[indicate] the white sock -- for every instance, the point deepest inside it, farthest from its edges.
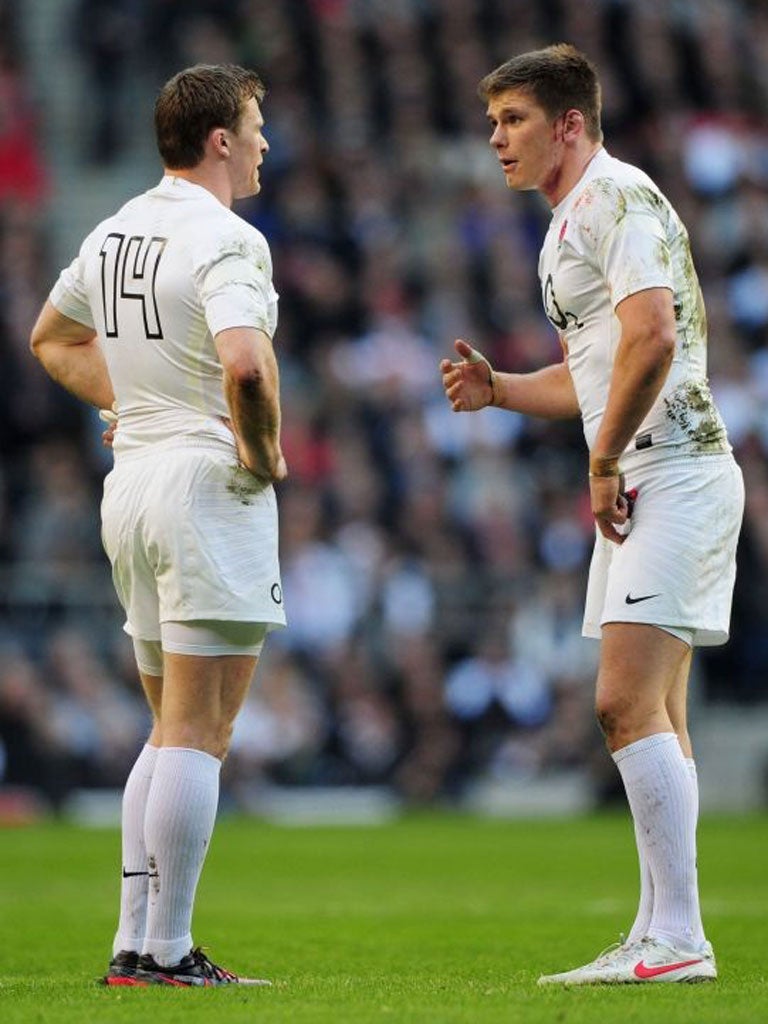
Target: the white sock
(661, 798)
(693, 776)
(181, 811)
(690, 764)
(133, 890)
(642, 920)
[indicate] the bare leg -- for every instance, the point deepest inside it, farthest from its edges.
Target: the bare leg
(200, 700)
(134, 885)
(641, 667)
(677, 705)
(676, 709)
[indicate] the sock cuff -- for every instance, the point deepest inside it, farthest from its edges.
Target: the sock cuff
(168, 952)
(646, 743)
(181, 758)
(147, 759)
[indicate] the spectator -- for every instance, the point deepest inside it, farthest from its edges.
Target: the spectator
(406, 529)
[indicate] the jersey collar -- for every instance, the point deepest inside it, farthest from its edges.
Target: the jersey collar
(172, 186)
(590, 171)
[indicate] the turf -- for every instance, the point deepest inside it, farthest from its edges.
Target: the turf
(435, 919)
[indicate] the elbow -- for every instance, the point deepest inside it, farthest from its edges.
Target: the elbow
(241, 368)
(248, 378)
(666, 341)
(36, 341)
(659, 349)
(248, 373)
(42, 340)
(654, 352)
(661, 352)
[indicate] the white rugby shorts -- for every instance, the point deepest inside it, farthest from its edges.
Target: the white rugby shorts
(191, 536)
(677, 567)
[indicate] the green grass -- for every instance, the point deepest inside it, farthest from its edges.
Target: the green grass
(434, 919)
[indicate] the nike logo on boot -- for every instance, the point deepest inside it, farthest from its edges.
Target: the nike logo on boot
(641, 971)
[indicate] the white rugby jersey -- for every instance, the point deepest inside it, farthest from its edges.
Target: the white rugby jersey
(615, 234)
(157, 281)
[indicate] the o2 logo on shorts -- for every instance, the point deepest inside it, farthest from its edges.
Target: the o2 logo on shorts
(277, 593)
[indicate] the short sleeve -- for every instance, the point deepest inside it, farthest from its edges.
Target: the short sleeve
(68, 295)
(235, 287)
(624, 229)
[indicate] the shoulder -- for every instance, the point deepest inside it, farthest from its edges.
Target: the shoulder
(616, 189)
(118, 222)
(94, 240)
(614, 198)
(127, 214)
(225, 235)
(599, 207)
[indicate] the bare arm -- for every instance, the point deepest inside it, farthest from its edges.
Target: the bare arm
(642, 362)
(471, 385)
(72, 356)
(252, 390)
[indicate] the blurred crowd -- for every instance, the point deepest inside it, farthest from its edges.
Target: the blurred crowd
(433, 564)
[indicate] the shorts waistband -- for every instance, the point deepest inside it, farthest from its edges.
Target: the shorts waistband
(633, 465)
(184, 442)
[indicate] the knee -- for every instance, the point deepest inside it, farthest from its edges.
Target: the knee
(224, 739)
(614, 717)
(216, 739)
(211, 736)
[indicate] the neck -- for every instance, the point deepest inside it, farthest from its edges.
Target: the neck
(213, 179)
(569, 172)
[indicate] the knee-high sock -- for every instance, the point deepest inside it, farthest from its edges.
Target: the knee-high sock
(664, 807)
(133, 891)
(642, 921)
(181, 811)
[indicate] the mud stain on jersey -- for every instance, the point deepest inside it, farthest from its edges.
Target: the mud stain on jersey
(692, 408)
(242, 248)
(696, 328)
(610, 208)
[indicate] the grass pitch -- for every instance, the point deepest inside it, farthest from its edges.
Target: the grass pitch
(433, 919)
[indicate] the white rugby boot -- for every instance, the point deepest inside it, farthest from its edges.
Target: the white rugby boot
(647, 960)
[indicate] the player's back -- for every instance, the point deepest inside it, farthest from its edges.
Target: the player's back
(152, 275)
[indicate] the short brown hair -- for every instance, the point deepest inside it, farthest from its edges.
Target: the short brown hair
(194, 102)
(558, 77)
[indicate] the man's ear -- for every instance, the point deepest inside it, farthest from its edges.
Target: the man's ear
(220, 141)
(573, 124)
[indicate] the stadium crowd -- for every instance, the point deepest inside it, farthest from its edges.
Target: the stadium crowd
(433, 564)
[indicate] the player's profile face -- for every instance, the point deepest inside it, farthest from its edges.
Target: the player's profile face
(525, 139)
(247, 149)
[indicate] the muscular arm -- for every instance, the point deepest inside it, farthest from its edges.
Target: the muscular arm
(470, 385)
(71, 355)
(547, 393)
(252, 390)
(642, 362)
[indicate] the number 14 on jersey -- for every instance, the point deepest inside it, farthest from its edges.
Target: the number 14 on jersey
(128, 274)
